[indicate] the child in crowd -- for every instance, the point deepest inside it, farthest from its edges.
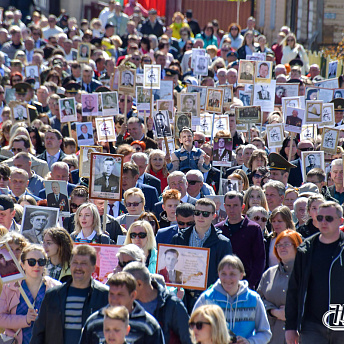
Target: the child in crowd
(171, 199)
(116, 325)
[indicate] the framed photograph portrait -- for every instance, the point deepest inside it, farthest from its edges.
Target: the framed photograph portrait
(291, 102)
(142, 98)
(166, 105)
(328, 83)
(106, 176)
(310, 160)
(332, 69)
(329, 141)
(263, 95)
(338, 93)
(170, 144)
(246, 72)
(248, 114)
(165, 91)
(227, 95)
(327, 119)
(10, 269)
(89, 104)
(275, 135)
(293, 119)
(189, 102)
(105, 129)
(196, 52)
(285, 90)
(36, 220)
(263, 71)
(162, 123)
(110, 103)
(183, 266)
(307, 132)
(84, 132)
(206, 124)
(32, 72)
(202, 90)
(219, 201)
(201, 66)
(151, 76)
(245, 97)
(182, 119)
(222, 151)
(229, 185)
(57, 195)
(84, 52)
(19, 112)
(85, 159)
(139, 79)
(127, 80)
(67, 110)
(221, 122)
(10, 94)
(214, 100)
(313, 111)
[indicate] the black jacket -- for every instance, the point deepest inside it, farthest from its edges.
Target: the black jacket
(150, 180)
(49, 325)
(298, 283)
(213, 179)
(143, 328)
(307, 229)
(295, 174)
(157, 29)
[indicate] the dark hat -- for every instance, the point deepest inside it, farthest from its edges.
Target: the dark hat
(232, 53)
(65, 17)
(102, 89)
(171, 72)
(152, 11)
(188, 14)
(338, 104)
(6, 202)
(72, 87)
(96, 41)
(31, 82)
(39, 213)
(296, 62)
(277, 162)
(22, 87)
(109, 25)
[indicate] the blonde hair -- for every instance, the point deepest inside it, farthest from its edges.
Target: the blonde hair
(263, 202)
(151, 243)
(96, 218)
(160, 153)
(135, 192)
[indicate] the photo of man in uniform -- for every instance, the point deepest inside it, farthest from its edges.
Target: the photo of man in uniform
(38, 220)
(311, 163)
(56, 199)
(247, 73)
(264, 94)
(108, 181)
(84, 51)
(127, 78)
(294, 120)
(67, 110)
(170, 274)
(20, 113)
(162, 126)
(221, 153)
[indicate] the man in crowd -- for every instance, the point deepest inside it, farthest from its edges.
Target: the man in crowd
(274, 192)
(337, 190)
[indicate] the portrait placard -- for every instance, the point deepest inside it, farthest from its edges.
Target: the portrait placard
(36, 219)
(246, 72)
(105, 129)
(84, 132)
(183, 266)
(293, 119)
(106, 176)
(328, 83)
(263, 95)
(263, 72)
(110, 103)
(227, 95)
(32, 72)
(327, 119)
(285, 90)
(19, 112)
(307, 132)
(201, 65)
(222, 151)
(196, 52)
(10, 94)
(219, 201)
(170, 144)
(162, 124)
(189, 102)
(310, 160)
(165, 91)
(166, 105)
(139, 79)
(248, 114)
(142, 98)
(338, 93)
(291, 102)
(229, 185)
(67, 110)
(127, 80)
(246, 97)
(313, 111)
(57, 195)
(84, 52)
(106, 262)
(89, 104)
(221, 122)
(319, 93)
(274, 133)
(214, 100)
(151, 76)
(85, 159)
(182, 119)
(329, 141)
(206, 124)
(332, 69)
(202, 90)
(10, 269)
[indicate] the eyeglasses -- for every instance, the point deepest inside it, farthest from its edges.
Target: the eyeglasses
(203, 212)
(136, 59)
(327, 218)
(140, 235)
(33, 261)
(234, 28)
(257, 175)
(124, 264)
(74, 206)
(257, 218)
(194, 182)
(180, 223)
(283, 245)
(132, 204)
(198, 325)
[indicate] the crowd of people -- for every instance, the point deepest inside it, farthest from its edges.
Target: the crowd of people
(272, 218)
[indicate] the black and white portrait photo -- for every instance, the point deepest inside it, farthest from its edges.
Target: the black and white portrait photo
(222, 152)
(332, 69)
(84, 52)
(246, 72)
(338, 93)
(197, 53)
(106, 175)
(89, 104)
(201, 66)
(310, 160)
(245, 97)
(19, 112)
(127, 78)
(162, 123)
(182, 119)
(188, 103)
(246, 114)
(84, 133)
(57, 195)
(263, 93)
(32, 72)
(67, 110)
(229, 185)
(36, 220)
(227, 95)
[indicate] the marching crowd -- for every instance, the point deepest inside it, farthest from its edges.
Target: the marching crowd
(276, 240)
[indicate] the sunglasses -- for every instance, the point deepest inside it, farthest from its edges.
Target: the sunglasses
(193, 182)
(198, 325)
(141, 235)
(284, 245)
(124, 264)
(257, 218)
(74, 206)
(327, 218)
(33, 261)
(257, 175)
(133, 204)
(135, 59)
(180, 223)
(203, 212)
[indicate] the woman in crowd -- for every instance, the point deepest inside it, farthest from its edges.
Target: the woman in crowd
(259, 174)
(259, 215)
(177, 24)
(286, 147)
(258, 159)
(145, 48)
(293, 50)
(207, 36)
(16, 241)
(208, 326)
(157, 166)
(254, 197)
(141, 234)
(280, 220)
(274, 283)
(5, 133)
(247, 47)
(290, 197)
(235, 178)
(277, 48)
(234, 35)
(185, 36)
(14, 312)
(262, 45)
(36, 140)
(239, 158)
(138, 145)
(88, 226)
(127, 254)
(58, 246)
(151, 218)
(311, 226)
(232, 294)
(134, 201)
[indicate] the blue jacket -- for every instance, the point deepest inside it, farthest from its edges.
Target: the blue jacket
(151, 196)
(165, 235)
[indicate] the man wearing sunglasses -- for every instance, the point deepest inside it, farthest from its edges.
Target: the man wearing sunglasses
(315, 292)
(204, 234)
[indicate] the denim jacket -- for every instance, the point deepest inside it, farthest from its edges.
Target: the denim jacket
(184, 160)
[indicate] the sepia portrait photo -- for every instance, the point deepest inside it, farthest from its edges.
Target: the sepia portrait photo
(127, 80)
(19, 112)
(189, 102)
(214, 100)
(166, 105)
(182, 119)
(285, 90)
(202, 90)
(84, 52)
(246, 72)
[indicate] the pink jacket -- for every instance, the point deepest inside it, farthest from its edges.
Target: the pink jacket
(9, 300)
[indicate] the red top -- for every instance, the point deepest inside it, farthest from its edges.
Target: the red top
(160, 176)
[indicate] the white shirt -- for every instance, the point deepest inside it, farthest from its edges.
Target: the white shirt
(56, 156)
(115, 209)
(90, 237)
(185, 198)
(48, 32)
